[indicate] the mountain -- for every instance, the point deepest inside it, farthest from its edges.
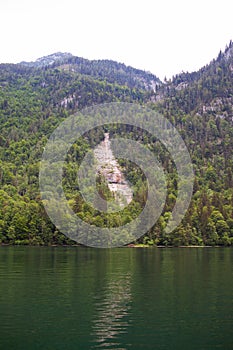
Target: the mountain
(36, 97)
(209, 90)
(108, 70)
(48, 60)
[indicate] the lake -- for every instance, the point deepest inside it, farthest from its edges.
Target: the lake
(125, 298)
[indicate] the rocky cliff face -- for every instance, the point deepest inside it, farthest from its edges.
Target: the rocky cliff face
(108, 166)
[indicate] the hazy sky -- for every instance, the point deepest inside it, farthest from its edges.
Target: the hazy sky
(161, 36)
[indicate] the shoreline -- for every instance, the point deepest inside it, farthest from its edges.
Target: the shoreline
(127, 246)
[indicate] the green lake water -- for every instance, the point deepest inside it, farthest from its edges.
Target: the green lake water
(126, 298)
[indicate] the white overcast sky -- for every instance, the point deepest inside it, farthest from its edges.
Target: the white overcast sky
(161, 36)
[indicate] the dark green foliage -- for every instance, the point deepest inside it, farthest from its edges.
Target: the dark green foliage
(34, 99)
(105, 70)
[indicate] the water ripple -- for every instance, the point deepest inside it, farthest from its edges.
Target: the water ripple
(112, 314)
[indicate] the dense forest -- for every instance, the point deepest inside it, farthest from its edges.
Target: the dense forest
(36, 97)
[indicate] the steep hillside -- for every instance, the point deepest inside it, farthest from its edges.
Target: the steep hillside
(209, 90)
(108, 70)
(33, 101)
(36, 97)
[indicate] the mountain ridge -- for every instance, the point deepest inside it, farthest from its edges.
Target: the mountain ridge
(47, 60)
(110, 70)
(209, 89)
(123, 74)
(35, 100)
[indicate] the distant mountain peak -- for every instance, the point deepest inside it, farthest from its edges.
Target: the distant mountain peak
(55, 56)
(49, 60)
(103, 69)
(228, 54)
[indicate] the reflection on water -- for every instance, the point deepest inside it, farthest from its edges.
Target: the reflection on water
(136, 299)
(112, 310)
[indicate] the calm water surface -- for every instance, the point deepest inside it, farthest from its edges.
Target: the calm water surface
(78, 298)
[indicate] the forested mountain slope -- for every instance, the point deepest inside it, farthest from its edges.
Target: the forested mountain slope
(208, 90)
(111, 71)
(36, 97)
